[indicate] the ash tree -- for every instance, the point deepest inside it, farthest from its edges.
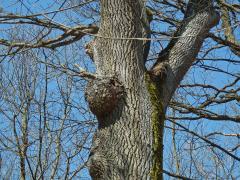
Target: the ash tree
(132, 92)
(129, 141)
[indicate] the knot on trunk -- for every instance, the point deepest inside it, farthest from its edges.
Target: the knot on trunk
(159, 72)
(97, 162)
(96, 167)
(103, 95)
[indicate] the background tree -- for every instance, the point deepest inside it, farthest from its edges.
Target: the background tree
(137, 96)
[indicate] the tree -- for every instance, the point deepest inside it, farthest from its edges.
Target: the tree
(129, 93)
(132, 134)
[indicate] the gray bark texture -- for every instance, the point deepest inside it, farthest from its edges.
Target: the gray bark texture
(122, 147)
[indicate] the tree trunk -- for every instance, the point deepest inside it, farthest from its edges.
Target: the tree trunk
(129, 101)
(122, 146)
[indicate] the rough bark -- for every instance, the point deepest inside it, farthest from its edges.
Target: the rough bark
(122, 146)
(182, 50)
(129, 141)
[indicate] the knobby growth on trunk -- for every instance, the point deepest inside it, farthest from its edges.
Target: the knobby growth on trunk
(46, 125)
(130, 101)
(137, 95)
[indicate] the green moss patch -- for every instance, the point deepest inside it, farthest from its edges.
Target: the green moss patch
(157, 122)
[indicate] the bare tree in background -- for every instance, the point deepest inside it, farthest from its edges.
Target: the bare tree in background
(156, 71)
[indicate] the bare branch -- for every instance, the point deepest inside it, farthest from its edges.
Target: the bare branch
(207, 141)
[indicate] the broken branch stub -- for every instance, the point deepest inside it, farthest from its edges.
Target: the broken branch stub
(159, 72)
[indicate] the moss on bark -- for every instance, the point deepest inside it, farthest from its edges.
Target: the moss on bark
(157, 122)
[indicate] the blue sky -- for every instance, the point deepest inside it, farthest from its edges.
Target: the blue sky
(196, 74)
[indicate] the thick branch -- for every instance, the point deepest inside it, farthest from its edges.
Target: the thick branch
(226, 24)
(200, 17)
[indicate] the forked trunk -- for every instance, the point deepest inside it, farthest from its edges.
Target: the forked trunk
(127, 99)
(122, 146)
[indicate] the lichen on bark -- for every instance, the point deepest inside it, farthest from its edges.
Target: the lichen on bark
(157, 122)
